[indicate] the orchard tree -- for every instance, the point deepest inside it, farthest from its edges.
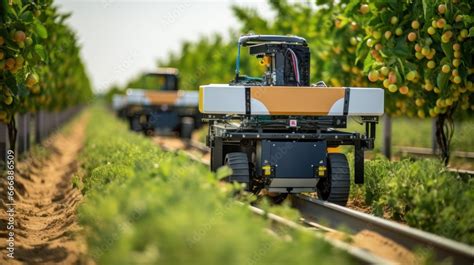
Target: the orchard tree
(40, 66)
(421, 52)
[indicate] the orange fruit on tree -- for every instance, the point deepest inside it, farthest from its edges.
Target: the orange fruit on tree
(394, 20)
(404, 90)
(20, 36)
(392, 88)
(398, 31)
(392, 78)
(445, 68)
(364, 9)
(442, 9)
(440, 23)
(431, 30)
(431, 64)
(10, 64)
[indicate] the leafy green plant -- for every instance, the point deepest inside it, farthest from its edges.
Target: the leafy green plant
(422, 194)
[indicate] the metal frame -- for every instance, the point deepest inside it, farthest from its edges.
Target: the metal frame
(228, 136)
(148, 111)
(256, 39)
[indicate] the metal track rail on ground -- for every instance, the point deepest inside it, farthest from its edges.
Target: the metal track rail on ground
(429, 152)
(361, 255)
(462, 171)
(199, 146)
(411, 238)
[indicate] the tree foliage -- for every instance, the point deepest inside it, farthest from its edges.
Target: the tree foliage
(421, 52)
(40, 66)
(406, 48)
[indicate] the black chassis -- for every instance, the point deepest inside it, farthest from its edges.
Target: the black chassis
(132, 111)
(224, 138)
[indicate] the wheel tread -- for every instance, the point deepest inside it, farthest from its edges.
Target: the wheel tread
(238, 162)
(340, 179)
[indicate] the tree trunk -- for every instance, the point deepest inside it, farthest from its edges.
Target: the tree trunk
(387, 136)
(444, 134)
(12, 132)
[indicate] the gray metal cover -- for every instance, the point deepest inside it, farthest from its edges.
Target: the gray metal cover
(294, 159)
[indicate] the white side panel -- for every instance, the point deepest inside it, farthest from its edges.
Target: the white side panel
(217, 98)
(337, 108)
(258, 108)
(188, 98)
(118, 102)
(225, 99)
(366, 101)
(137, 97)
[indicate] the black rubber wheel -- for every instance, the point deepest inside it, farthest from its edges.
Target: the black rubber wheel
(135, 124)
(239, 164)
(335, 186)
(149, 132)
(187, 127)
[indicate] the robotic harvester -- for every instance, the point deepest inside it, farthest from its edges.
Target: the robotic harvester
(158, 106)
(276, 132)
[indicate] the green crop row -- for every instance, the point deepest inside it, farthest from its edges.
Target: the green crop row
(422, 194)
(143, 205)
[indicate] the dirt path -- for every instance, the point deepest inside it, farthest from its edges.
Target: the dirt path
(46, 203)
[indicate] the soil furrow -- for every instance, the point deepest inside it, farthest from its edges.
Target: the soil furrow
(47, 203)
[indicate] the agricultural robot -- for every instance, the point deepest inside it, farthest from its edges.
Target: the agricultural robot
(158, 106)
(276, 132)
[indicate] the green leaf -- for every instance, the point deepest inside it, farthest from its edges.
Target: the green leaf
(352, 7)
(425, 7)
(399, 76)
(402, 67)
(23, 9)
(401, 49)
(11, 82)
(27, 17)
(442, 80)
(41, 30)
(12, 12)
(368, 62)
(445, 60)
(18, 2)
(64, 17)
(384, 55)
(22, 90)
(39, 49)
(447, 49)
